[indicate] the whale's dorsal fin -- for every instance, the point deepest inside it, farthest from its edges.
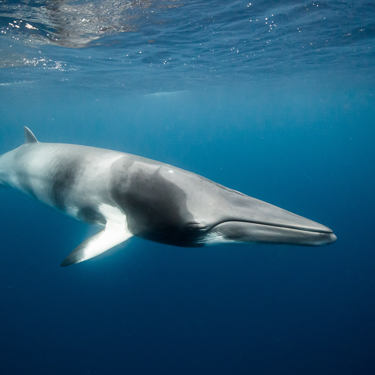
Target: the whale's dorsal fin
(30, 137)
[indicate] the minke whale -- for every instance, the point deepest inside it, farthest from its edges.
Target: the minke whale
(129, 195)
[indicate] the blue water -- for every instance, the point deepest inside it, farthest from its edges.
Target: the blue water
(275, 99)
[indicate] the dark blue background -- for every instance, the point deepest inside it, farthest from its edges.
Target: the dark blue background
(149, 308)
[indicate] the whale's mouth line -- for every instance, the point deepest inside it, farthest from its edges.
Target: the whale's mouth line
(283, 226)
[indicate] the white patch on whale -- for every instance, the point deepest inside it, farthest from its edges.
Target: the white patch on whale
(114, 233)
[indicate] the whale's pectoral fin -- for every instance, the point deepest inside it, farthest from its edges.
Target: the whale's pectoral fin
(100, 242)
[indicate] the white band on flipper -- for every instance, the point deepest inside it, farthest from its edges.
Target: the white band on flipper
(115, 232)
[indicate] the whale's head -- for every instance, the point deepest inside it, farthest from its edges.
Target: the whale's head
(169, 205)
(238, 218)
(261, 222)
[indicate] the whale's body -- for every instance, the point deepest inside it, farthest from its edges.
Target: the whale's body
(133, 196)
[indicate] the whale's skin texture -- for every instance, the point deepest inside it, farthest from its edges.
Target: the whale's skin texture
(129, 195)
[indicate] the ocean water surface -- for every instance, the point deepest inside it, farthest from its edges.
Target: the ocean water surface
(275, 99)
